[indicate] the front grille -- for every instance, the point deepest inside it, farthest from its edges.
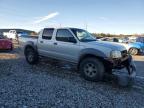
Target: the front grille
(124, 53)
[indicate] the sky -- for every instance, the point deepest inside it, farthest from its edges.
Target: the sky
(107, 16)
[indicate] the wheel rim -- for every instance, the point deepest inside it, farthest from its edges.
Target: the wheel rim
(30, 56)
(133, 51)
(90, 70)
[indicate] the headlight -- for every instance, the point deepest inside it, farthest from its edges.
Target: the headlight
(116, 54)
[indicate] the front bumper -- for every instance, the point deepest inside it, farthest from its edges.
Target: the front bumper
(125, 62)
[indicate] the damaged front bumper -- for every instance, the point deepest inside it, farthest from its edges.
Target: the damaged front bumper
(125, 62)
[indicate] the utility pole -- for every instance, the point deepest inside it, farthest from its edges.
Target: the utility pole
(86, 25)
(60, 25)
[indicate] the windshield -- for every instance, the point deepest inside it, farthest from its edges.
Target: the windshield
(83, 35)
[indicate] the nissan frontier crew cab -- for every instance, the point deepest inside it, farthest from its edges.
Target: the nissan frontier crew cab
(93, 58)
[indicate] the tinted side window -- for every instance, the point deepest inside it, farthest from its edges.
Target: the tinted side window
(47, 33)
(65, 36)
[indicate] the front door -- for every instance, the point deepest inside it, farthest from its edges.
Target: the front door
(66, 45)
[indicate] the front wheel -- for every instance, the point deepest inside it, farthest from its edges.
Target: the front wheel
(133, 51)
(31, 56)
(92, 69)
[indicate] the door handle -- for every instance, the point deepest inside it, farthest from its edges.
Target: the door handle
(41, 41)
(55, 43)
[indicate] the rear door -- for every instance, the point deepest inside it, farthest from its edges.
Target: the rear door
(45, 42)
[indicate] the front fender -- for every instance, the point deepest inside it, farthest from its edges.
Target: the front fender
(91, 51)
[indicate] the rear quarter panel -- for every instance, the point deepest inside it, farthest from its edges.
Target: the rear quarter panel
(24, 41)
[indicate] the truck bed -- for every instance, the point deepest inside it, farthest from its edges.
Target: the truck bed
(24, 39)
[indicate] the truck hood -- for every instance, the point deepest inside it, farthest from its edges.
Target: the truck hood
(111, 45)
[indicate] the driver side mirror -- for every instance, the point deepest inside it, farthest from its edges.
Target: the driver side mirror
(72, 39)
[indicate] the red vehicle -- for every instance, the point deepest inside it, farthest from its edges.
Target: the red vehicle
(5, 44)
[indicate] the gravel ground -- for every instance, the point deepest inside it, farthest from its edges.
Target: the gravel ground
(49, 85)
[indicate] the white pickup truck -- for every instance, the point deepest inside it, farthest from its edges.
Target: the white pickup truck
(11, 34)
(93, 58)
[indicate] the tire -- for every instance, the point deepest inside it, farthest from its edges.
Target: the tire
(92, 69)
(31, 56)
(109, 71)
(133, 51)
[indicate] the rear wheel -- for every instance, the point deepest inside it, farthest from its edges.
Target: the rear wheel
(31, 56)
(133, 51)
(92, 69)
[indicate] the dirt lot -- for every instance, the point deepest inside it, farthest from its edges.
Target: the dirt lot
(52, 84)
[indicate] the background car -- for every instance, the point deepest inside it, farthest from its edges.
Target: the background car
(22, 34)
(11, 34)
(5, 44)
(136, 47)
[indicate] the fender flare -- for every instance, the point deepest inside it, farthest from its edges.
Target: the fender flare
(91, 51)
(30, 44)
